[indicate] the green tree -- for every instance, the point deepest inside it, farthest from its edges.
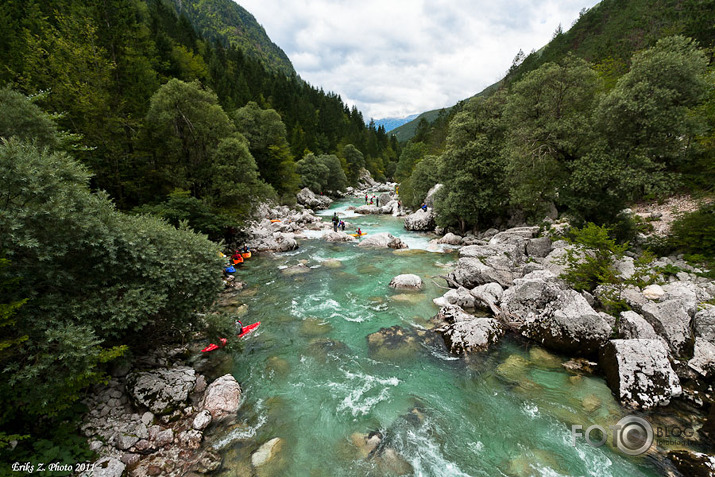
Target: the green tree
(412, 153)
(94, 279)
(336, 179)
(425, 175)
(355, 162)
(268, 144)
(185, 124)
(236, 184)
(548, 113)
(24, 120)
(645, 130)
(472, 169)
(313, 173)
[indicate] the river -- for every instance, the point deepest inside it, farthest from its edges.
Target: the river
(310, 378)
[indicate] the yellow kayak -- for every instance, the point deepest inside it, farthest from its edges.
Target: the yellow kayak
(355, 235)
(246, 255)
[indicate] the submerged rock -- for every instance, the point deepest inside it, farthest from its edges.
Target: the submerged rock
(266, 452)
(392, 343)
(296, 270)
(406, 281)
(639, 373)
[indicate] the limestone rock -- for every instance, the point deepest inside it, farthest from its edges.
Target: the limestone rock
(693, 464)
(407, 281)
(422, 220)
(653, 292)
(266, 452)
(222, 397)
(703, 360)
(704, 323)
(338, 237)
(382, 240)
(163, 390)
(460, 297)
(106, 467)
(489, 290)
(316, 202)
(634, 326)
(671, 321)
(476, 334)
(429, 200)
(538, 247)
(451, 239)
(569, 324)
(451, 314)
(202, 420)
(471, 272)
(639, 373)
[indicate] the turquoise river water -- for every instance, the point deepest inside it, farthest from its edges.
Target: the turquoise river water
(309, 377)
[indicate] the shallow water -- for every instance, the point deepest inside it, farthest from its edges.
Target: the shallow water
(310, 378)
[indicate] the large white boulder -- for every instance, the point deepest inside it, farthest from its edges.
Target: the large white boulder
(639, 373)
(475, 334)
(382, 240)
(307, 198)
(422, 220)
(407, 281)
(671, 321)
(222, 398)
(338, 237)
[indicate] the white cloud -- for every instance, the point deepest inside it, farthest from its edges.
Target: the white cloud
(398, 57)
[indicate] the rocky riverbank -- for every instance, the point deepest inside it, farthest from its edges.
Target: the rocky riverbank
(152, 416)
(660, 350)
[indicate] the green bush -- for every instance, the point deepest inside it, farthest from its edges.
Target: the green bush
(591, 261)
(95, 281)
(694, 233)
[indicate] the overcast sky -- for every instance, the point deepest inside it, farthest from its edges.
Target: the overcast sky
(393, 58)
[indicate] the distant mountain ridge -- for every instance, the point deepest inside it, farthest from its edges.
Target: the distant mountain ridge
(392, 123)
(227, 21)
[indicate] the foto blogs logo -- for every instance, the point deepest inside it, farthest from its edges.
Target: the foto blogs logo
(632, 435)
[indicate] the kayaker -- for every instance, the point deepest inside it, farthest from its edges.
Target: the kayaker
(246, 249)
(342, 226)
(423, 207)
(377, 201)
(236, 257)
(365, 199)
(359, 232)
(239, 325)
(336, 219)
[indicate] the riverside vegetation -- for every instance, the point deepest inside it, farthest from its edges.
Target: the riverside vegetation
(132, 145)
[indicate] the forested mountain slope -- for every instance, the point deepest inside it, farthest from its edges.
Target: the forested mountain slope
(227, 21)
(99, 65)
(608, 34)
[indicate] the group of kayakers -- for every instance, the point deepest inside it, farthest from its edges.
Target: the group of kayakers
(238, 257)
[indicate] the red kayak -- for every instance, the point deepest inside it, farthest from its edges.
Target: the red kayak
(246, 330)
